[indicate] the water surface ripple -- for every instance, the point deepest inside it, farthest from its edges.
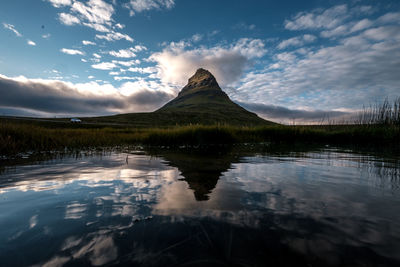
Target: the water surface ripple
(325, 207)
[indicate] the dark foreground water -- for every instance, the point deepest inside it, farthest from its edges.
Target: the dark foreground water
(232, 208)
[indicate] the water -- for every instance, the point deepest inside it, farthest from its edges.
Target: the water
(324, 207)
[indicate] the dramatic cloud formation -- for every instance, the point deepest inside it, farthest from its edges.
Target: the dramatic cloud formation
(327, 61)
(359, 67)
(175, 63)
(56, 97)
(12, 28)
(136, 6)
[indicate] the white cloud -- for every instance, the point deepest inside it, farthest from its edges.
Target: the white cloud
(85, 42)
(338, 31)
(91, 77)
(119, 26)
(176, 64)
(68, 19)
(121, 78)
(72, 51)
(297, 41)
(95, 11)
(391, 17)
(95, 14)
(318, 19)
(96, 55)
(46, 36)
(136, 6)
(104, 66)
(114, 36)
(30, 42)
(123, 53)
(143, 70)
(196, 37)
(358, 70)
(127, 53)
(83, 60)
(361, 25)
(127, 63)
(60, 3)
(12, 28)
(97, 27)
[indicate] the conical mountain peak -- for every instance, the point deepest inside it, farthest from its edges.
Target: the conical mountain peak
(202, 101)
(200, 80)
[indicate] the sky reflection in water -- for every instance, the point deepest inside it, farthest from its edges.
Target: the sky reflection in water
(324, 207)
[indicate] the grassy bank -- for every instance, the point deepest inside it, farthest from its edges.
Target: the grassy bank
(16, 137)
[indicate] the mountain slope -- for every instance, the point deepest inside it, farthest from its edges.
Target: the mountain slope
(204, 100)
(201, 101)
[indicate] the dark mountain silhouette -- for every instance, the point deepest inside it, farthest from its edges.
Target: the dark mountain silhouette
(201, 101)
(202, 169)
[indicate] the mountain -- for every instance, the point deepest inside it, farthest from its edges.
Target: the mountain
(201, 101)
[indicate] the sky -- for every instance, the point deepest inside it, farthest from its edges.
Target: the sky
(285, 60)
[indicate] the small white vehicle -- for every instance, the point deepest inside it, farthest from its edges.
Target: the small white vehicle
(75, 120)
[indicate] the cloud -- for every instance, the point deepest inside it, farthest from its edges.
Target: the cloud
(318, 19)
(72, 51)
(136, 6)
(124, 53)
(114, 36)
(12, 28)
(85, 42)
(119, 26)
(286, 115)
(297, 41)
(30, 42)
(121, 78)
(60, 3)
(147, 70)
(95, 14)
(104, 66)
(126, 63)
(127, 53)
(361, 25)
(49, 97)
(95, 11)
(96, 55)
(176, 64)
(68, 19)
(347, 73)
(46, 36)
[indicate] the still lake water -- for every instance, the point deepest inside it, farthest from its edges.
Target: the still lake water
(322, 207)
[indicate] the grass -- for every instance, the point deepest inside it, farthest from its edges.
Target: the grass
(378, 125)
(17, 137)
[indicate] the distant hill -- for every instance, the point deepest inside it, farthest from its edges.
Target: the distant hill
(201, 101)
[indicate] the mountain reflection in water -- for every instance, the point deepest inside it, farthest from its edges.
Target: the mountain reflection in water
(222, 207)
